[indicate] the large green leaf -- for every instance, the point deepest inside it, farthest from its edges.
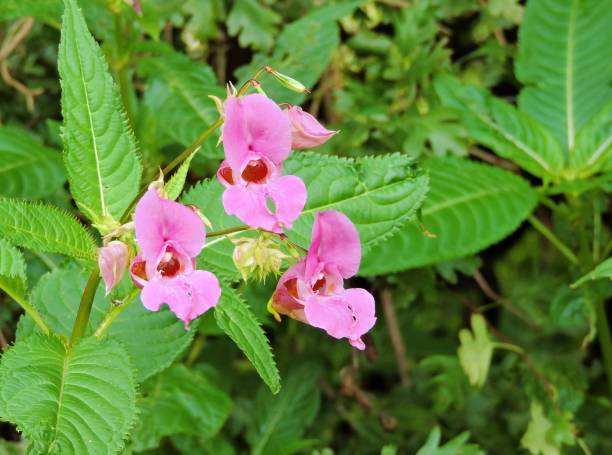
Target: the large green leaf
(379, 194)
(594, 145)
(178, 95)
(564, 62)
(292, 51)
(280, 421)
(45, 228)
(179, 401)
(469, 207)
(235, 318)
(28, 169)
(100, 151)
(73, 401)
(500, 126)
(13, 278)
(153, 339)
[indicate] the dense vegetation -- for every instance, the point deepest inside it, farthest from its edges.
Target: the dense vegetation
(474, 158)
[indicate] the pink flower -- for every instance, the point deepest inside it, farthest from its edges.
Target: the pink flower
(257, 139)
(113, 261)
(312, 290)
(307, 132)
(170, 236)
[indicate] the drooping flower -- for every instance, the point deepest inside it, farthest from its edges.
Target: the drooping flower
(113, 261)
(257, 257)
(306, 131)
(256, 140)
(170, 236)
(312, 290)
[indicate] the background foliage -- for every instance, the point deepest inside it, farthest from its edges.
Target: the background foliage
(474, 157)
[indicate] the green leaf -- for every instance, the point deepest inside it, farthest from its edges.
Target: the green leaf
(68, 400)
(13, 278)
(235, 318)
(476, 351)
(292, 51)
(47, 10)
(174, 186)
(546, 435)
(280, 421)
(603, 270)
(179, 401)
(377, 193)
(469, 207)
(254, 24)
(178, 95)
(563, 60)
(28, 169)
(457, 445)
(57, 296)
(500, 126)
(45, 228)
(100, 151)
(594, 145)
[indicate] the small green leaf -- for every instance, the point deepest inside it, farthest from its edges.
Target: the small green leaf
(594, 145)
(547, 435)
(603, 270)
(475, 351)
(174, 186)
(13, 278)
(254, 24)
(73, 401)
(235, 318)
(455, 446)
(179, 401)
(45, 228)
(278, 425)
(100, 151)
(28, 169)
(469, 207)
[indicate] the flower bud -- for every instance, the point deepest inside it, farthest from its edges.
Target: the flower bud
(287, 82)
(257, 257)
(113, 261)
(306, 131)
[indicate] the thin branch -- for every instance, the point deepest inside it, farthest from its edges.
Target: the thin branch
(397, 340)
(552, 238)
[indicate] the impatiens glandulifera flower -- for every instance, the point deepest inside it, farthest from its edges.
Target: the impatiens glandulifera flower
(113, 261)
(170, 236)
(312, 291)
(306, 131)
(256, 140)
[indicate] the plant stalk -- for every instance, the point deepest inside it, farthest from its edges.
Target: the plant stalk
(30, 311)
(552, 238)
(114, 312)
(605, 339)
(82, 317)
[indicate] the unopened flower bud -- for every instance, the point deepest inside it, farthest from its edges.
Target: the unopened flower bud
(258, 257)
(306, 131)
(287, 82)
(113, 261)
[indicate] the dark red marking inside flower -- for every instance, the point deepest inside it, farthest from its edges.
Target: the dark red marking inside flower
(291, 286)
(227, 175)
(255, 172)
(320, 284)
(169, 267)
(139, 269)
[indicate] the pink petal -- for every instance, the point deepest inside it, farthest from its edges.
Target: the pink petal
(335, 242)
(250, 203)
(254, 123)
(158, 221)
(307, 132)
(138, 271)
(283, 300)
(346, 315)
(113, 260)
(188, 296)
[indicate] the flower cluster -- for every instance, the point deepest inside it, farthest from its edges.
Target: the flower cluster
(258, 136)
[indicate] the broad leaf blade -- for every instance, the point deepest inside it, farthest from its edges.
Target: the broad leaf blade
(594, 145)
(179, 401)
(235, 318)
(152, 339)
(564, 63)
(45, 228)
(469, 207)
(70, 401)
(100, 150)
(28, 169)
(500, 126)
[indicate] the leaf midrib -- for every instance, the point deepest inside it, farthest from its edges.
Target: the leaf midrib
(60, 399)
(569, 78)
(465, 198)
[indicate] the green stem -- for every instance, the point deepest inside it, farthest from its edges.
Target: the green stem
(605, 340)
(82, 317)
(227, 231)
(552, 238)
(30, 311)
(113, 313)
